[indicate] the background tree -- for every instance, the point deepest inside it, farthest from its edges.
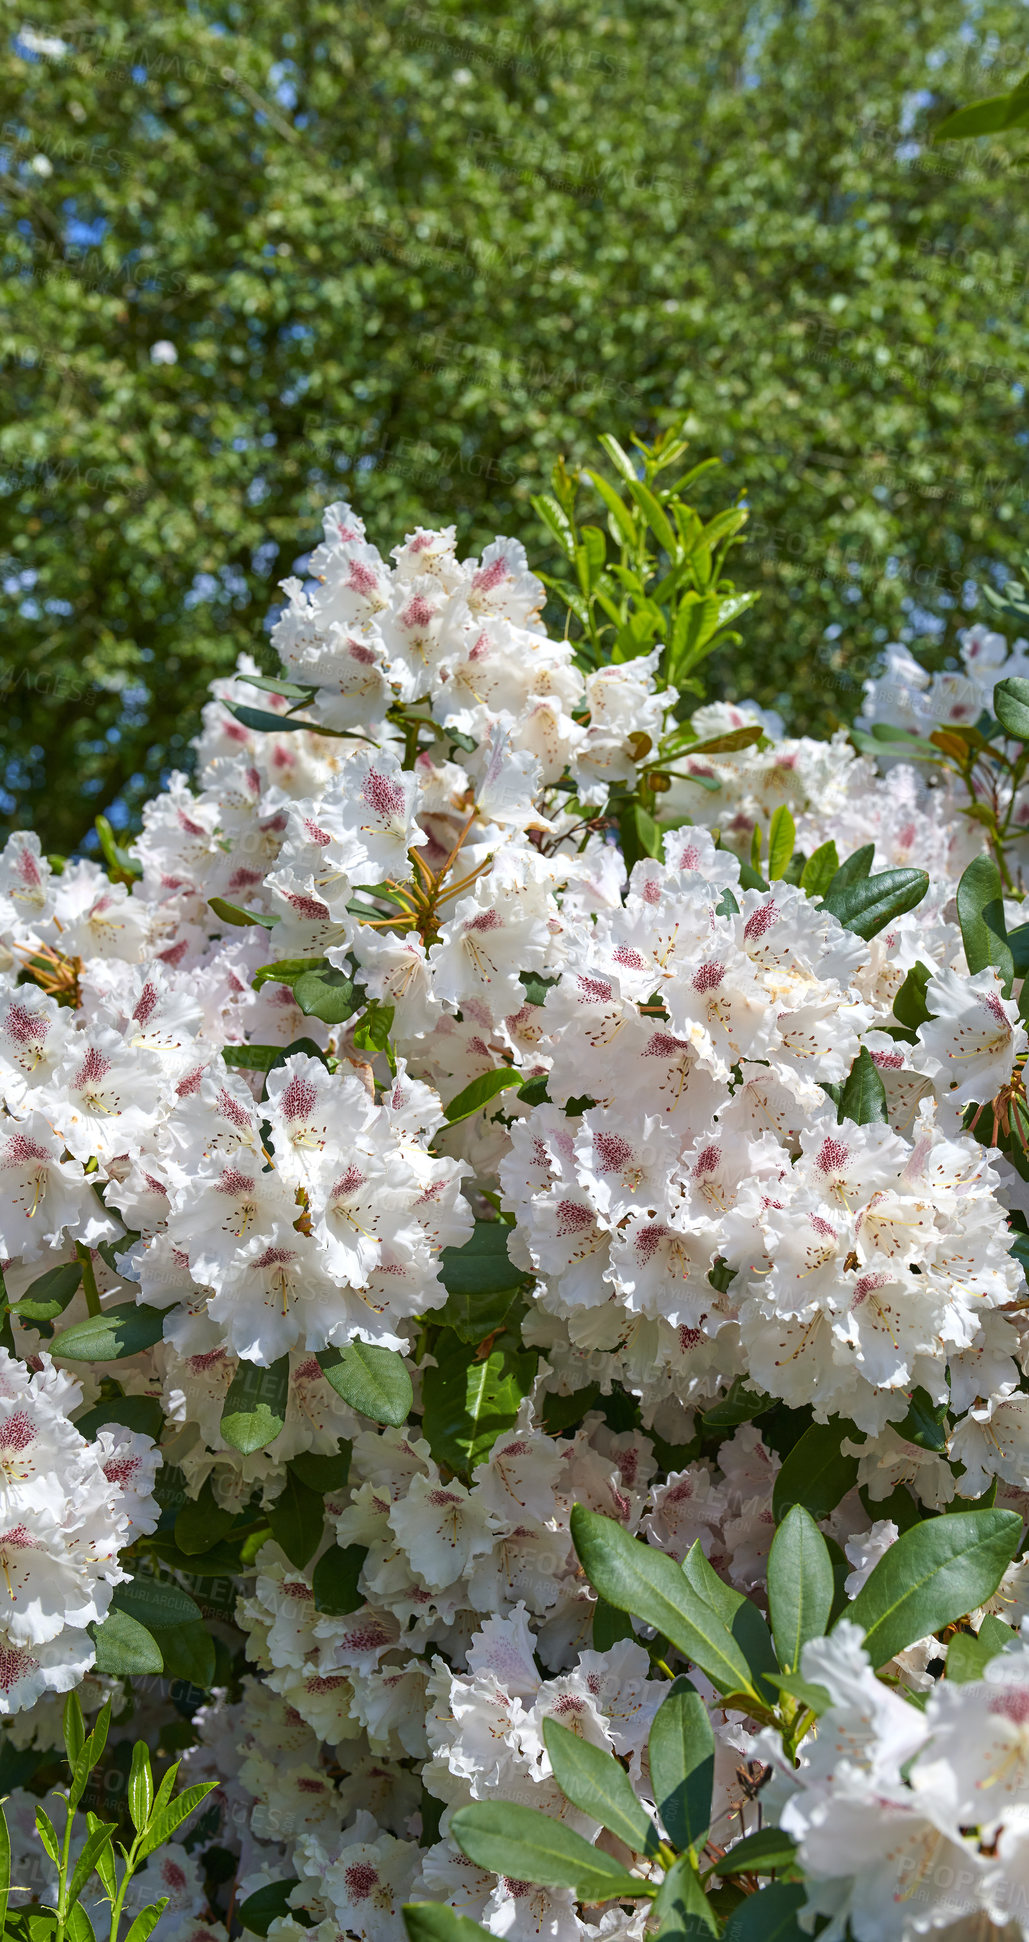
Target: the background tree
(260, 258)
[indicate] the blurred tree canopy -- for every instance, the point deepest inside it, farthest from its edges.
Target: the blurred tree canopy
(407, 253)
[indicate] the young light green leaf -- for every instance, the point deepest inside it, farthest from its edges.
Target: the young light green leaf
(800, 1586)
(373, 1381)
(782, 839)
(89, 1755)
(146, 1921)
(96, 1841)
(968, 1654)
(854, 868)
(123, 1647)
(863, 1098)
(815, 1472)
(525, 1845)
(819, 870)
(640, 1580)
(682, 1765)
(165, 1820)
(932, 1576)
(74, 1727)
(125, 1329)
(254, 1411)
(594, 1782)
(104, 1863)
(470, 1400)
(473, 1097)
(48, 1296)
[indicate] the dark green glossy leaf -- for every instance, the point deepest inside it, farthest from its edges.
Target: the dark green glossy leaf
(525, 1845)
(335, 1580)
(469, 1400)
(800, 1586)
(867, 905)
(297, 1518)
(863, 1098)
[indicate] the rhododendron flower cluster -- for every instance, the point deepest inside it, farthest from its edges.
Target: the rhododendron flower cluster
(494, 1090)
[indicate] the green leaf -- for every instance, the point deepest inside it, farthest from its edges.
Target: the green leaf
(863, 1099)
(740, 1404)
(89, 1755)
(167, 1819)
(782, 840)
(254, 1411)
(608, 1626)
(909, 1006)
(5, 1869)
(49, 1294)
(94, 1844)
(188, 1653)
(141, 1786)
(202, 1522)
(639, 835)
(854, 868)
(480, 1279)
(980, 907)
(155, 1602)
(738, 1614)
(146, 1921)
(682, 1909)
(525, 1845)
(651, 1587)
(267, 1905)
(969, 1655)
(769, 1916)
(925, 1423)
(124, 1647)
(868, 905)
(324, 1472)
(372, 1033)
(469, 1402)
(617, 508)
(122, 1330)
(105, 1865)
(682, 1765)
(932, 1576)
(297, 1518)
(286, 971)
(239, 918)
(329, 995)
(595, 1783)
(472, 1097)
(1011, 707)
(820, 869)
(759, 1854)
(800, 1586)
(142, 1413)
(372, 1380)
(815, 1472)
(335, 1580)
(436, 1922)
(73, 1727)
